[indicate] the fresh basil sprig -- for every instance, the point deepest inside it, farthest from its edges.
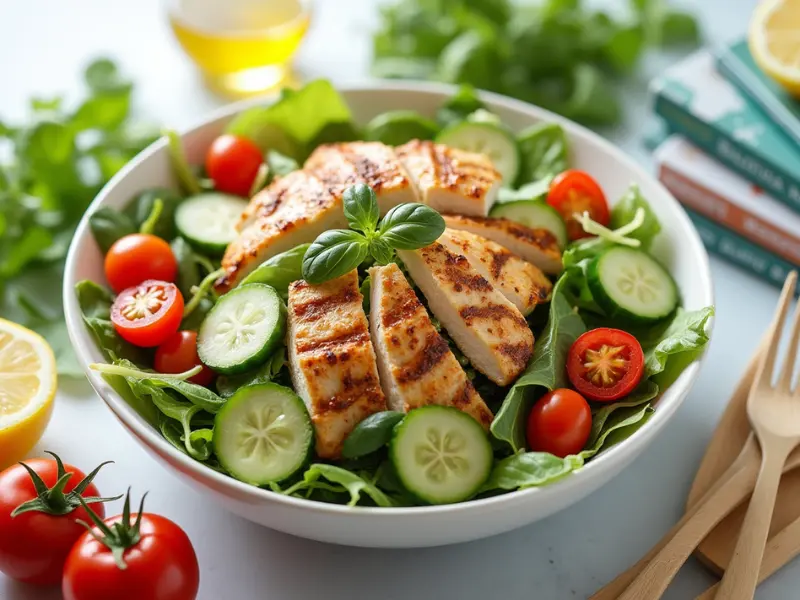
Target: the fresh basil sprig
(338, 251)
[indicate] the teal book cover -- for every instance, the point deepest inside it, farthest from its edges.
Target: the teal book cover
(698, 102)
(736, 63)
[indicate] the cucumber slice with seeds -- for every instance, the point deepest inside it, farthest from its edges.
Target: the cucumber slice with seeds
(242, 329)
(208, 221)
(263, 434)
(491, 139)
(630, 285)
(441, 454)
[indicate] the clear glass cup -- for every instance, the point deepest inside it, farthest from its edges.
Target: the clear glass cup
(242, 47)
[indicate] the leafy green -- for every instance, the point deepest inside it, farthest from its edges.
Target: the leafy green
(280, 270)
(371, 434)
(188, 272)
(624, 211)
(459, 106)
(535, 190)
(227, 385)
(547, 370)
(108, 225)
(397, 127)
(411, 225)
(334, 253)
(681, 344)
(361, 208)
(544, 151)
(141, 207)
(298, 122)
(280, 164)
(530, 469)
(353, 483)
(54, 165)
(180, 164)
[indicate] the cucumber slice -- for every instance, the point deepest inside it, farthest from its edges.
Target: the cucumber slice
(397, 127)
(242, 329)
(441, 454)
(208, 221)
(487, 138)
(630, 285)
(263, 433)
(535, 214)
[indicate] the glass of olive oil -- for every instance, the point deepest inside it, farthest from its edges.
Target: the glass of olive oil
(243, 47)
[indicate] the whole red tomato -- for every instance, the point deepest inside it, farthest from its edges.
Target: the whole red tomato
(38, 521)
(138, 257)
(178, 353)
(232, 162)
(149, 557)
(559, 423)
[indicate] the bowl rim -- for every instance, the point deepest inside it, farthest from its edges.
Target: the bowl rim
(669, 401)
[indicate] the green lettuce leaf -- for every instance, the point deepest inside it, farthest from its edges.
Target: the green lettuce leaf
(680, 344)
(353, 483)
(544, 150)
(624, 211)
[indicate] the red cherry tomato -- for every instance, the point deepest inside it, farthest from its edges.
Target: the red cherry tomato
(573, 192)
(138, 257)
(232, 162)
(157, 561)
(178, 354)
(559, 423)
(35, 543)
(605, 364)
(149, 313)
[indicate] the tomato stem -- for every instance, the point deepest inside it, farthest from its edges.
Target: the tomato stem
(155, 214)
(53, 500)
(119, 536)
(202, 291)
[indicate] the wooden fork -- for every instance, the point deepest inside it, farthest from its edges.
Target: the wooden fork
(774, 413)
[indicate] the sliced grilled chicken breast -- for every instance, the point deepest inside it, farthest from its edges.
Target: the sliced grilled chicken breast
(487, 327)
(451, 180)
(518, 280)
(331, 359)
(373, 163)
(537, 246)
(415, 363)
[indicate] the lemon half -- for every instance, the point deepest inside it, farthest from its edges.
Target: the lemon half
(774, 41)
(27, 388)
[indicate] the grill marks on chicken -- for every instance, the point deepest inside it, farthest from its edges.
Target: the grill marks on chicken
(415, 363)
(331, 359)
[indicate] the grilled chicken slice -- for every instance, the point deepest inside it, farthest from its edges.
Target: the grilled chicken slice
(373, 163)
(518, 280)
(415, 363)
(293, 210)
(537, 246)
(451, 180)
(488, 328)
(331, 359)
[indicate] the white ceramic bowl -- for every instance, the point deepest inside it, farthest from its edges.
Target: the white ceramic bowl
(678, 246)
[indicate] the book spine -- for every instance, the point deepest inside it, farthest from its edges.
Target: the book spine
(731, 152)
(719, 209)
(740, 251)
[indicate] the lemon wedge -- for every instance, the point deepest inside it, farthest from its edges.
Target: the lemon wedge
(27, 389)
(774, 41)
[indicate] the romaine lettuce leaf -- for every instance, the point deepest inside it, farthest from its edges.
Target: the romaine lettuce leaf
(680, 344)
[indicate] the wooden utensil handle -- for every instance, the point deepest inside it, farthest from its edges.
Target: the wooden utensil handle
(741, 576)
(652, 582)
(747, 461)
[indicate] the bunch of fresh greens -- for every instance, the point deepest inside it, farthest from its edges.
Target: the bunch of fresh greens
(56, 164)
(337, 251)
(559, 54)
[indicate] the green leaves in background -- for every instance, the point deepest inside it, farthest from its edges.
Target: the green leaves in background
(59, 161)
(560, 54)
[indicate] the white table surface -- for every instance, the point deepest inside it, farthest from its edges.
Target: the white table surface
(569, 555)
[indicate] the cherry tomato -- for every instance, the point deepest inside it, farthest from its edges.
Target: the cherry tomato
(559, 423)
(149, 313)
(178, 354)
(36, 541)
(137, 257)
(573, 192)
(605, 364)
(155, 560)
(232, 162)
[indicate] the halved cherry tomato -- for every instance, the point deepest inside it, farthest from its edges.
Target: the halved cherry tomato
(178, 354)
(559, 423)
(232, 162)
(138, 257)
(605, 364)
(148, 313)
(573, 192)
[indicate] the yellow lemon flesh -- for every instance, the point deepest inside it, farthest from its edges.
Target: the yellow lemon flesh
(27, 389)
(774, 41)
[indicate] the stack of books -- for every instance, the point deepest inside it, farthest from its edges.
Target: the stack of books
(731, 156)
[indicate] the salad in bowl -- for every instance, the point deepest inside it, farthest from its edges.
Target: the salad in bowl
(411, 312)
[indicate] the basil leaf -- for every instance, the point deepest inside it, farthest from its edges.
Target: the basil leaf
(361, 208)
(625, 210)
(410, 226)
(381, 251)
(544, 151)
(188, 274)
(371, 434)
(108, 225)
(280, 270)
(333, 254)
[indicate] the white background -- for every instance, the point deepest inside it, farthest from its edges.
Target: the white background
(42, 48)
